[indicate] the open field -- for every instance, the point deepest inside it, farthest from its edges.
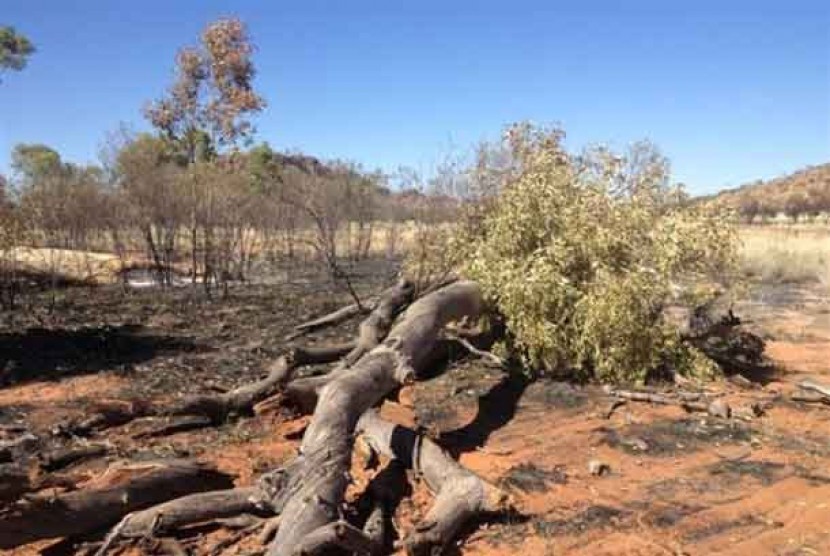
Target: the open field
(787, 253)
(100, 266)
(679, 483)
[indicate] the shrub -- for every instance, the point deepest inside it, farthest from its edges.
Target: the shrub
(581, 253)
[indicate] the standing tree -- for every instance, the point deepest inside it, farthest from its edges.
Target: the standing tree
(15, 49)
(206, 109)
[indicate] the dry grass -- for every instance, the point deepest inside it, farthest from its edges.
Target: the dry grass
(786, 254)
(68, 265)
(100, 267)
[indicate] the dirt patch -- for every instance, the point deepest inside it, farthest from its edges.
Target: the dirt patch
(673, 437)
(754, 522)
(592, 517)
(528, 477)
(765, 472)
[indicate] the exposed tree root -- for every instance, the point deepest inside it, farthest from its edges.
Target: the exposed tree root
(124, 489)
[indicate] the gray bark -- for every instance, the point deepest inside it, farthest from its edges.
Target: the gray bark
(318, 479)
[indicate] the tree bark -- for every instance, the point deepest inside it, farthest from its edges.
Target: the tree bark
(242, 400)
(375, 327)
(189, 510)
(332, 319)
(461, 495)
(125, 488)
(318, 479)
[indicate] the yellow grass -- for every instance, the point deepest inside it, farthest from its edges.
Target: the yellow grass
(786, 253)
(99, 267)
(88, 267)
(77, 266)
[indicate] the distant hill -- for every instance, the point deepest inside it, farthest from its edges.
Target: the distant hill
(803, 193)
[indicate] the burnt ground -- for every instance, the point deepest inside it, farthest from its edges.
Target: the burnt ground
(678, 483)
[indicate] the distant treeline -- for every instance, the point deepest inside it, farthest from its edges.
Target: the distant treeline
(213, 215)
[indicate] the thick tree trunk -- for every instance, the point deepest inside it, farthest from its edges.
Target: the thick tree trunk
(125, 489)
(317, 481)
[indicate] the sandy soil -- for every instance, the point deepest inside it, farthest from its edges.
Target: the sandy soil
(679, 483)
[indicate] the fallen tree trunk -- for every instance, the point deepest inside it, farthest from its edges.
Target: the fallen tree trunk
(460, 494)
(122, 489)
(315, 483)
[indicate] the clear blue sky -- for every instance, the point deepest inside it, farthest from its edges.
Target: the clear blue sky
(731, 91)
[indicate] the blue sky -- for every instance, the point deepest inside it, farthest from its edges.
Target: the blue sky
(731, 91)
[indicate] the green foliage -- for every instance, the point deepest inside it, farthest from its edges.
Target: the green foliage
(34, 161)
(581, 253)
(15, 49)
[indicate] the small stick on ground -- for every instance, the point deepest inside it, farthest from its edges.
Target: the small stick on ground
(617, 403)
(813, 386)
(486, 355)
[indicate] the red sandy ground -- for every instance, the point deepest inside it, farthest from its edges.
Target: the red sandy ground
(763, 490)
